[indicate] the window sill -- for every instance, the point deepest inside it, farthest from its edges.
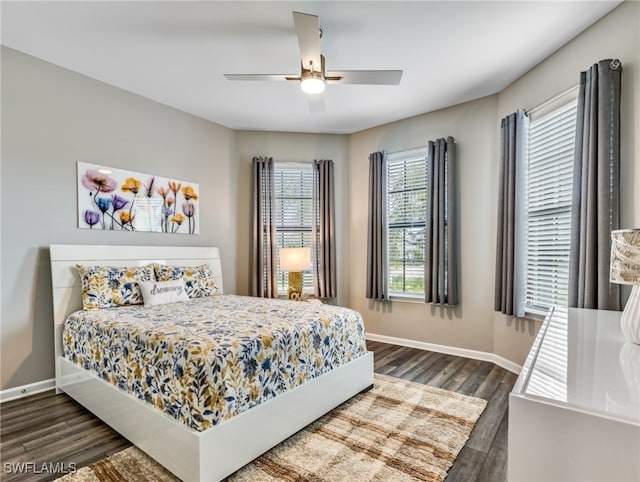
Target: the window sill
(534, 316)
(407, 299)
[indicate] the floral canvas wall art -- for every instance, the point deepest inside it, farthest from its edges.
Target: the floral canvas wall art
(120, 200)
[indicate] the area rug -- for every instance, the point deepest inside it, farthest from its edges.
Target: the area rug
(399, 430)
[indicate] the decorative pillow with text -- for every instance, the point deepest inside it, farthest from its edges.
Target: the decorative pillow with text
(163, 292)
(198, 280)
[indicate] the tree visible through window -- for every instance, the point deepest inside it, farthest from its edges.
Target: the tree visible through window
(406, 220)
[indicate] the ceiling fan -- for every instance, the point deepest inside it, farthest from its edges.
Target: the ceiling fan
(313, 76)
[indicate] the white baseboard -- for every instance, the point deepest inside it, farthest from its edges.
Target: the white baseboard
(26, 390)
(449, 350)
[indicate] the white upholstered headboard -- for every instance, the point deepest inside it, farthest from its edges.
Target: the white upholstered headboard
(67, 291)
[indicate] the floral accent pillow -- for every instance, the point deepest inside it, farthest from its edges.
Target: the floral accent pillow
(112, 286)
(198, 280)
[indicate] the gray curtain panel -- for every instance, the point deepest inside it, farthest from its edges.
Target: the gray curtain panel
(264, 255)
(596, 187)
(324, 227)
(512, 221)
(441, 260)
(376, 230)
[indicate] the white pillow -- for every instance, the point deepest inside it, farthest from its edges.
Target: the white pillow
(163, 292)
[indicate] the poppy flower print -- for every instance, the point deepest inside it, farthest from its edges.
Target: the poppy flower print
(121, 200)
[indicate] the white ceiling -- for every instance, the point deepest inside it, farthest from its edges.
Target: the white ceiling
(176, 52)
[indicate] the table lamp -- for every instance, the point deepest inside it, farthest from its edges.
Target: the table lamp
(295, 260)
(625, 269)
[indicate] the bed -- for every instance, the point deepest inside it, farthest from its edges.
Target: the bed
(205, 444)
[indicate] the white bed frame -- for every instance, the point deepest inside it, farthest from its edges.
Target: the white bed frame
(221, 450)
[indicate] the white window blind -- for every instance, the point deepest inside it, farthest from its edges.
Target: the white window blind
(549, 186)
(294, 214)
(406, 216)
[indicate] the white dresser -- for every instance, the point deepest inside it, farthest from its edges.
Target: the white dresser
(574, 412)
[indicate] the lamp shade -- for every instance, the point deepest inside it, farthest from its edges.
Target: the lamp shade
(295, 259)
(625, 269)
(625, 256)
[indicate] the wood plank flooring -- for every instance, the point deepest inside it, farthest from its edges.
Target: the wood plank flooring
(42, 435)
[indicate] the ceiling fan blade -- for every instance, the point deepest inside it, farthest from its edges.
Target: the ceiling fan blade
(308, 32)
(262, 77)
(371, 77)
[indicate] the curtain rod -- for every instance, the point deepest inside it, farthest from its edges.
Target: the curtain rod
(293, 163)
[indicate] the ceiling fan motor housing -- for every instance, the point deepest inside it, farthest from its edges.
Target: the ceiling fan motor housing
(311, 80)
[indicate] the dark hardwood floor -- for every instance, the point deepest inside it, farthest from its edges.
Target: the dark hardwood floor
(44, 434)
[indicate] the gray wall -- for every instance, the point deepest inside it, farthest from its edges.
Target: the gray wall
(286, 147)
(51, 118)
(617, 35)
(475, 125)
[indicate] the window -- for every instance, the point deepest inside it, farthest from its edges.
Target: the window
(294, 213)
(549, 185)
(406, 219)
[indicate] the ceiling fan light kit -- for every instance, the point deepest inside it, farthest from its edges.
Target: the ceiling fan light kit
(312, 80)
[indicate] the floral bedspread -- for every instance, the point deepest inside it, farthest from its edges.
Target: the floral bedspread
(208, 359)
